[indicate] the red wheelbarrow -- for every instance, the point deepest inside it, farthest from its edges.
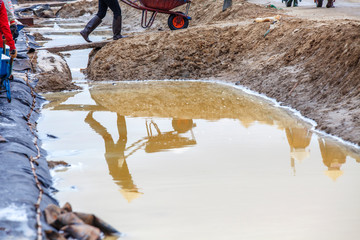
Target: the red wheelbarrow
(176, 20)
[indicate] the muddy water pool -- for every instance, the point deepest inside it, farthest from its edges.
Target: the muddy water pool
(197, 160)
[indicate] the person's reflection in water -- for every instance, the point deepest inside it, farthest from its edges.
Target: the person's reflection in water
(299, 139)
(115, 156)
(333, 157)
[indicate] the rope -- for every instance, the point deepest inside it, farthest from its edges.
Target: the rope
(33, 161)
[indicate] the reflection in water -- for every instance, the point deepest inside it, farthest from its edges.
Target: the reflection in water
(188, 100)
(115, 155)
(56, 99)
(182, 102)
(299, 139)
(333, 157)
(115, 152)
(169, 140)
(244, 167)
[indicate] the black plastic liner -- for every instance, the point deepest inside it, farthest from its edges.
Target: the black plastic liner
(18, 189)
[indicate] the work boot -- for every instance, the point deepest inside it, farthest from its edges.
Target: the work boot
(90, 26)
(288, 3)
(295, 3)
(116, 27)
(330, 4)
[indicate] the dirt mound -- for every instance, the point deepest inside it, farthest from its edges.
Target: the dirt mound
(205, 12)
(53, 73)
(77, 9)
(305, 64)
(238, 49)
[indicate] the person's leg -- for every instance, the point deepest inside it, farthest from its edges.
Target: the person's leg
(117, 21)
(116, 27)
(95, 21)
(114, 6)
(103, 7)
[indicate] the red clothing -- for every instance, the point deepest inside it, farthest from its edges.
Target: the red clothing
(5, 28)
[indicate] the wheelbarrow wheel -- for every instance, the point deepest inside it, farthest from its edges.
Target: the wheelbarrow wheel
(176, 22)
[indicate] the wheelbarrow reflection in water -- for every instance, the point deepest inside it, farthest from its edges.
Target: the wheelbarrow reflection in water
(169, 140)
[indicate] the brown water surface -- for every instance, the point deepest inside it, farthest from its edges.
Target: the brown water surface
(199, 160)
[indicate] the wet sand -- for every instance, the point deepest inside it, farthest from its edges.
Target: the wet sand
(310, 65)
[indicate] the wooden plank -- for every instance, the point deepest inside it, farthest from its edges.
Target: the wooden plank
(79, 107)
(51, 4)
(27, 21)
(75, 46)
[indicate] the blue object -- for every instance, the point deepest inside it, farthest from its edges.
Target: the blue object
(5, 74)
(6, 85)
(7, 51)
(19, 27)
(5, 66)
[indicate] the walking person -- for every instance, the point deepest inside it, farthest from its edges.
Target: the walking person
(5, 30)
(11, 17)
(96, 20)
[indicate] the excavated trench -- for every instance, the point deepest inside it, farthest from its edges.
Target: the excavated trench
(205, 159)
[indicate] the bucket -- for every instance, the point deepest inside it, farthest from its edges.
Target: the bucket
(7, 50)
(4, 66)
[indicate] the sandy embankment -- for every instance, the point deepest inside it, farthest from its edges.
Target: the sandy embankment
(310, 65)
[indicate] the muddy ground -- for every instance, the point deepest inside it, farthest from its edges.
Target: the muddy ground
(311, 65)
